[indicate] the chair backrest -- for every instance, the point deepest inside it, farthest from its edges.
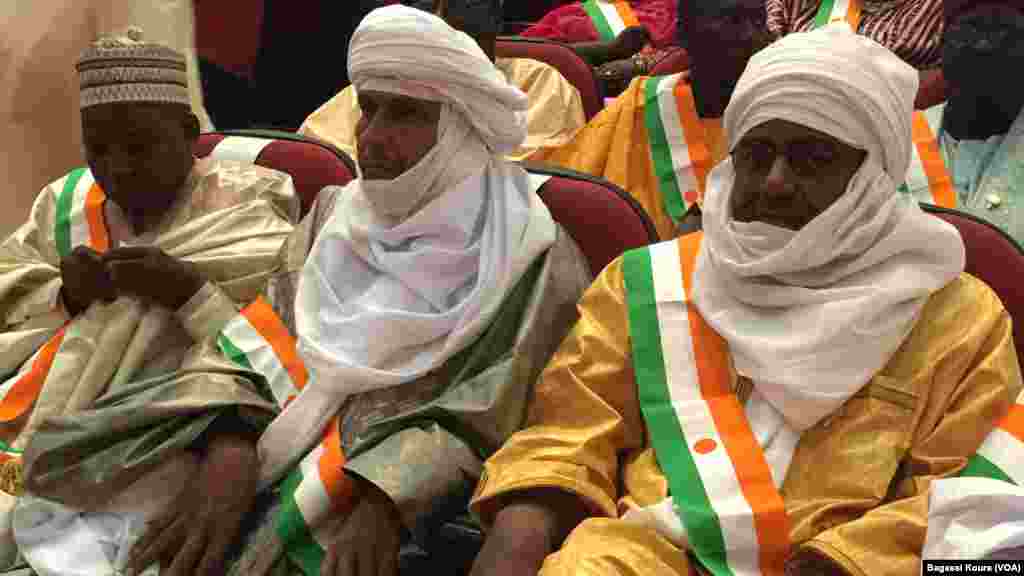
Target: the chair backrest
(602, 218)
(311, 164)
(564, 59)
(994, 258)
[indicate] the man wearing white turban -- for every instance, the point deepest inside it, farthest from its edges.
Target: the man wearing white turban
(775, 394)
(412, 311)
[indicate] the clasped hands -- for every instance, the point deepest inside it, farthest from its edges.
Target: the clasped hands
(145, 272)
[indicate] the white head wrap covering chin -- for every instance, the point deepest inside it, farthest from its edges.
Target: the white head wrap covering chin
(811, 315)
(406, 273)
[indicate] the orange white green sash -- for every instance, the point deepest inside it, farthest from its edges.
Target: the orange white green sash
(718, 477)
(1001, 456)
(19, 392)
(610, 18)
(257, 340)
(678, 146)
(830, 11)
(928, 178)
(80, 220)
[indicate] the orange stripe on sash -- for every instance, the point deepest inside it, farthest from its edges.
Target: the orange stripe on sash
(24, 392)
(693, 132)
(752, 471)
(853, 14)
(262, 317)
(1014, 422)
(98, 236)
(338, 484)
(939, 181)
(626, 13)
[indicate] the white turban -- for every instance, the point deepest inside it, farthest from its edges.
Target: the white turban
(811, 315)
(834, 81)
(403, 50)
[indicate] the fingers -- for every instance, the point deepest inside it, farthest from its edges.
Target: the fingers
(161, 537)
(212, 562)
(387, 559)
(189, 555)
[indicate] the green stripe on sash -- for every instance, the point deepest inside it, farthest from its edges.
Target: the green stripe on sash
(233, 353)
(661, 152)
(824, 13)
(604, 30)
(5, 447)
(298, 540)
(670, 445)
(65, 204)
(980, 467)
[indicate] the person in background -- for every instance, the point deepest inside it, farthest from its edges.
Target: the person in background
(554, 115)
(775, 394)
(660, 139)
(979, 130)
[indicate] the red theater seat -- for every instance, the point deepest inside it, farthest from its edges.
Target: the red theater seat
(995, 258)
(311, 164)
(602, 218)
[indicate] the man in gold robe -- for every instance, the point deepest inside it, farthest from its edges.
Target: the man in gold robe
(555, 110)
(775, 394)
(112, 294)
(660, 138)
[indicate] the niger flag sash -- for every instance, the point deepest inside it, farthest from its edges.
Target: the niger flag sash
(718, 477)
(830, 11)
(610, 18)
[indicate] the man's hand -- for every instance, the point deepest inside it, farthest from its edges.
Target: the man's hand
(194, 536)
(84, 280)
(367, 543)
(153, 276)
(528, 528)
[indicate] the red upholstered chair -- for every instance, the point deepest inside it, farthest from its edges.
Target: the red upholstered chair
(561, 57)
(994, 258)
(311, 164)
(602, 218)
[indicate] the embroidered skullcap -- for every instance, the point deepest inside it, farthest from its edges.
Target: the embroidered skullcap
(124, 68)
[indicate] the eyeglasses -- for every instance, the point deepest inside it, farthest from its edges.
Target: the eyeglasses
(805, 157)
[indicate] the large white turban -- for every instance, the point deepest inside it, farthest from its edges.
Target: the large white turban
(834, 81)
(811, 315)
(403, 50)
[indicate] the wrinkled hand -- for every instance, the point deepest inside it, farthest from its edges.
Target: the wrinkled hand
(194, 536)
(367, 543)
(84, 280)
(630, 41)
(617, 70)
(153, 276)
(812, 564)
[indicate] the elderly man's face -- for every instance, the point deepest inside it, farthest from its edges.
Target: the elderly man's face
(787, 174)
(394, 133)
(140, 153)
(978, 44)
(724, 34)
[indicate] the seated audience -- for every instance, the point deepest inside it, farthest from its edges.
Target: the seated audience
(554, 114)
(660, 138)
(979, 131)
(774, 394)
(111, 297)
(411, 312)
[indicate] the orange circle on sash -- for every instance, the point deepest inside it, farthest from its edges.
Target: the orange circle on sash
(705, 446)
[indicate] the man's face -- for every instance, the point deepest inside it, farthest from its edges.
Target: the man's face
(979, 47)
(140, 153)
(394, 133)
(787, 174)
(724, 35)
